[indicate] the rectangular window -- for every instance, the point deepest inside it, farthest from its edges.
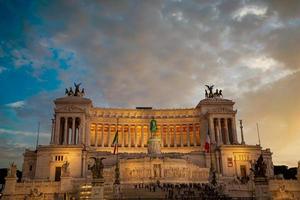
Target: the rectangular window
(57, 173)
(229, 162)
(243, 171)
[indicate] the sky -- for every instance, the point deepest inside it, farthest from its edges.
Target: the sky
(151, 53)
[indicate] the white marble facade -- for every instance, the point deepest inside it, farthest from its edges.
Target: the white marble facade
(80, 130)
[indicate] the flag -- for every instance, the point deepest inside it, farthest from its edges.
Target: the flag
(115, 142)
(207, 143)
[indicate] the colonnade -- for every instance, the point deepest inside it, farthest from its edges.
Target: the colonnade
(132, 135)
(223, 130)
(66, 130)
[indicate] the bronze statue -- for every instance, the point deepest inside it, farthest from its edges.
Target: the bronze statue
(206, 94)
(216, 94)
(220, 93)
(12, 171)
(260, 167)
(211, 94)
(97, 168)
(77, 91)
(65, 169)
(210, 89)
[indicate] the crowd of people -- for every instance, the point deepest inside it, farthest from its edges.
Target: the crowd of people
(184, 190)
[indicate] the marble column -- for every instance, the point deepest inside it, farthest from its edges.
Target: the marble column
(88, 133)
(135, 136)
(212, 130)
(96, 135)
(226, 131)
(102, 135)
(161, 136)
(219, 131)
(66, 131)
(168, 135)
(188, 134)
(124, 135)
(129, 136)
(175, 133)
(73, 130)
(80, 134)
(181, 136)
(108, 136)
(57, 129)
(194, 134)
(234, 134)
(142, 130)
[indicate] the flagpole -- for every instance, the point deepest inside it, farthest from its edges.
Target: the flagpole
(117, 170)
(258, 134)
(38, 135)
(118, 140)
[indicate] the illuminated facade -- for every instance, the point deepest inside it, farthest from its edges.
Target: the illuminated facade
(80, 131)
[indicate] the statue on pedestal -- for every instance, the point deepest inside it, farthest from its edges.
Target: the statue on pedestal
(77, 92)
(153, 126)
(210, 89)
(12, 171)
(65, 169)
(260, 168)
(211, 94)
(154, 140)
(97, 168)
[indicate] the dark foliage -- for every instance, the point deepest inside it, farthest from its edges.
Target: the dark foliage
(288, 173)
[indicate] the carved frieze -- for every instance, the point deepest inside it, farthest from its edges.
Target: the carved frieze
(69, 109)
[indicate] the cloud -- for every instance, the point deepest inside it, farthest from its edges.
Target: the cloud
(12, 152)
(17, 104)
(2, 69)
(158, 53)
(261, 62)
(22, 133)
(249, 10)
(276, 109)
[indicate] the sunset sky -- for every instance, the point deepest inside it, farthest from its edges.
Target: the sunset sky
(151, 53)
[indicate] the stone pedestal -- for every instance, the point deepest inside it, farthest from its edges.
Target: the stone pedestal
(117, 191)
(97, 189)
(65, 184)
(261, 188)
(10, 185)
(154, 145)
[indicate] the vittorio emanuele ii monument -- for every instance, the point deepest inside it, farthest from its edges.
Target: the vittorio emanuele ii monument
(119, 153)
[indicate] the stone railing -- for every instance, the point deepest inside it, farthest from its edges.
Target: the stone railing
(41, 186)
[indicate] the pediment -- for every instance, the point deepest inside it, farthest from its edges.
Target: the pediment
(69, 108)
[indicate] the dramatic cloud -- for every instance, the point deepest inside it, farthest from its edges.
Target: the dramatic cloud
(249, 10)
(153, 53)
(17, 104)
